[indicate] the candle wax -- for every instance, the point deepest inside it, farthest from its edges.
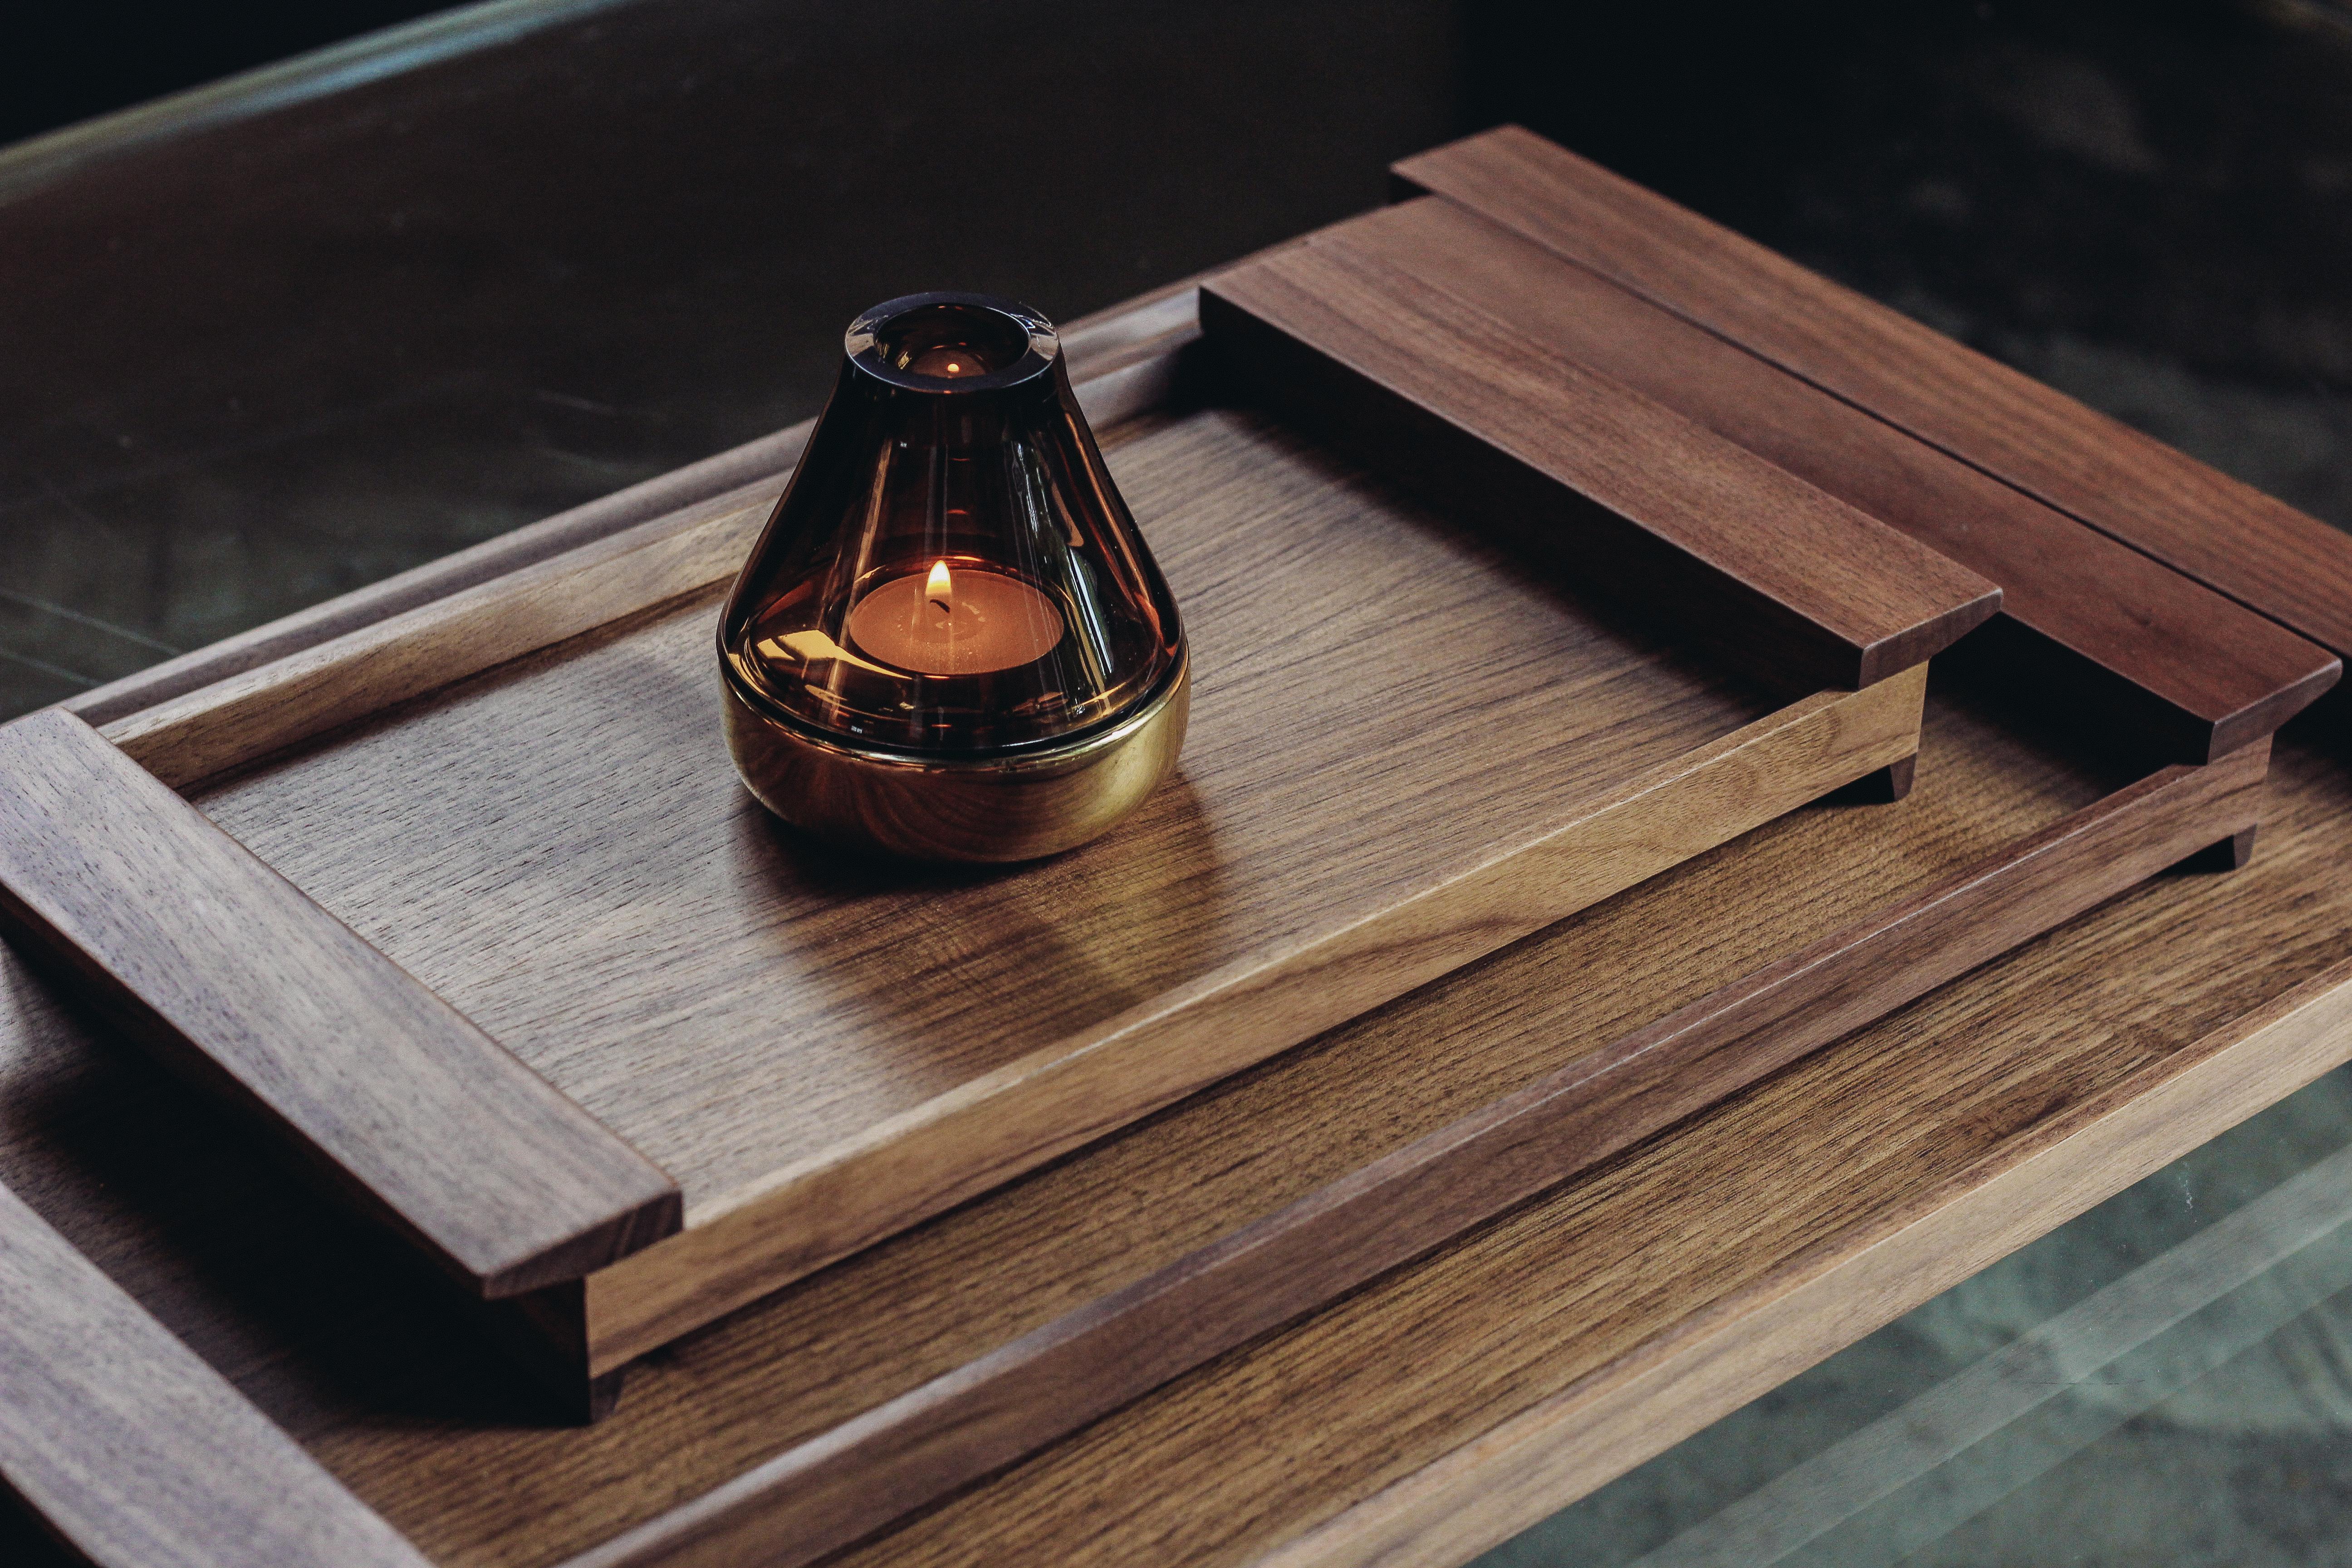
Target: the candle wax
(984, 621)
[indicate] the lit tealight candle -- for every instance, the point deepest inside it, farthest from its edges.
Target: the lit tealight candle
(961, 623)
(945, 362)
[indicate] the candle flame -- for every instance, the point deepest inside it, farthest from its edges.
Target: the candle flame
(940, 588)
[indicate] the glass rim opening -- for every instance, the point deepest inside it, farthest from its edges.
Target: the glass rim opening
(949, 342)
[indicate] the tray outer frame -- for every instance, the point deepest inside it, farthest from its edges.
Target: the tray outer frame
(132, 1452)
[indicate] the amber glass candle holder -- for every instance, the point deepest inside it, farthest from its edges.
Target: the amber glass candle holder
(950, 643)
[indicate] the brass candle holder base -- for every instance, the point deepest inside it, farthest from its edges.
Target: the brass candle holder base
(1018, 807)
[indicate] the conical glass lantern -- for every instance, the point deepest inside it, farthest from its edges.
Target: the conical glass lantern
(950, 642)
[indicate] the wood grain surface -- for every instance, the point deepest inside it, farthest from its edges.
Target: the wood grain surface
(1548, 1350)
(1257, 1447)
(1261, 1445)
(822, 1051)
(1578, 1440)
(133, 1453)
(1653, 507)
(981, 1417)
(244, 986)
(2264, 553)
(2194, 673)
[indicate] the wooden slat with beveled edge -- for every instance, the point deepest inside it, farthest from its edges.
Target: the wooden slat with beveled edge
(132, 1452)
(243, 986)
(1777, 576)
(1564, 1446)
(2227, 535)
(2184, 672)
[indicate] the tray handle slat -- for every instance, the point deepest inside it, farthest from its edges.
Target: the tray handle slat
(843, 1485)
(132, 1452)
(1792, 585)
(237, 980)
(2247, 545)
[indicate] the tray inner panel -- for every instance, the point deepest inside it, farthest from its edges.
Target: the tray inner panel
(562, 849)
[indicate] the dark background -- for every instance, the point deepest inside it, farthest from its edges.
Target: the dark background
(263, 347)
(63, 62)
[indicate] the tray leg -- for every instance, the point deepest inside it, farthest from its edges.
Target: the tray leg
(2230, 855)
(547, 1333)
(1885, 787)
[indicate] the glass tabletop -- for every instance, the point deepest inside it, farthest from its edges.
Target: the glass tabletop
(280, 338)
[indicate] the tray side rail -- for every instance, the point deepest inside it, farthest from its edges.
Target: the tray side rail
(131, 1452)
(845, 1485)
(235, 980)
(265, 690)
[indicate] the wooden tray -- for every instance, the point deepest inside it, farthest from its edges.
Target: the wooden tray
(1901, 932)
(1408, 749)
(360, 1368)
